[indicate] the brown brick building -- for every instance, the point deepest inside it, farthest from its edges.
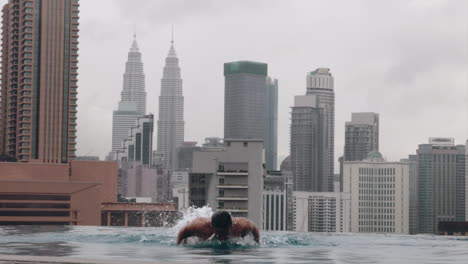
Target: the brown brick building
(38, 89)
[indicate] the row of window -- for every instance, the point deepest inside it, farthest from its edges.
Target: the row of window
(376, 179)
(377, 171)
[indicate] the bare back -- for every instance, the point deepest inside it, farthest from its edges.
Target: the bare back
(201, 228)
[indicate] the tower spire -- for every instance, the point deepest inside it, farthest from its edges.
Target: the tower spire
(172, 35)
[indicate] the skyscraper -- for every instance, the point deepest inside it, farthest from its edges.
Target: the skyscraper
(271, 123)
(320, 84)
(39, 80)
(133, 98)
(361, 136)
(466, 181)
(171, 111)
(251, 105)
(307, 145)
(134, 80)
(441, 183)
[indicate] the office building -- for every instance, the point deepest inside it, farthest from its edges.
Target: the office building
(379, 194)
(185, 155)
(441, 181)
(213, 143)
(180, 189)
(320, 83)
(171, 111)
(138, 145)
(412, 161)
(361, 136)
(321, 212)
(248, 95)
(133, 99)
(277, 200)
(39, 80)
(230, 179)
(307, 146)
(271, 124)
(141, 180)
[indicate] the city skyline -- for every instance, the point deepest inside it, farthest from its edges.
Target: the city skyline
(390, 68)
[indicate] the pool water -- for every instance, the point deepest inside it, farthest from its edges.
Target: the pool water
(158, 244)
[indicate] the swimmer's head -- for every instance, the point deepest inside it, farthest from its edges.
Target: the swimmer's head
(221, 221)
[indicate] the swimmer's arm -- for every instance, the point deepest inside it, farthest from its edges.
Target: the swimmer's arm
(248, 227)
(184, 233)
(256, 234)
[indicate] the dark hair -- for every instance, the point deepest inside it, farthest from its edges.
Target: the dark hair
(221, 219)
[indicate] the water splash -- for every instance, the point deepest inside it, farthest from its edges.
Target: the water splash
(192, 213)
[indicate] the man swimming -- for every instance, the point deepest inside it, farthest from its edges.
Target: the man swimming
(221, 226)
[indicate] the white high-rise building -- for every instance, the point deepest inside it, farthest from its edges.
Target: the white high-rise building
(133, 99)
(321, 212)
(379, 194)
(171, 111)
(321, 84)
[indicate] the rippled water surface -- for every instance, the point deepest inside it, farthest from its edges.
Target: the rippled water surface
(276, 247)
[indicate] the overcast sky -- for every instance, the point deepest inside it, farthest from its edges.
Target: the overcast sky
(406, 60)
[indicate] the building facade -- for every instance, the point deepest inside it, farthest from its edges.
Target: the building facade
(230, 179)
(248, 95)
(39, 80)
(320, 83)
(56, 194)
(277, 200)
(133, 99)
(307, 146)
(321, 212)
(171, 111)
(441, 183)
(361, 136)
(379, 194)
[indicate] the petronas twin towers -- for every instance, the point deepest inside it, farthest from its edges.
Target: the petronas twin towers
(132, 106)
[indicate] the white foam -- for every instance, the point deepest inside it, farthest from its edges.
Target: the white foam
(192, 213)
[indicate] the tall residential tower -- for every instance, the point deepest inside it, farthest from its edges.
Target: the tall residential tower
(361, 136)
(133, 98)
(171, 111)
(307, 146)
(320, 83)
(39, 80)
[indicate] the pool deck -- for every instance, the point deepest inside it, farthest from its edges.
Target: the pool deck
(17, 259)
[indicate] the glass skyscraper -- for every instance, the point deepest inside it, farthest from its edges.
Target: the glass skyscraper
(251, 106)
(441, 183)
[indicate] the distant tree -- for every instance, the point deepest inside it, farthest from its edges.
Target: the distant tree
(6, 158)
